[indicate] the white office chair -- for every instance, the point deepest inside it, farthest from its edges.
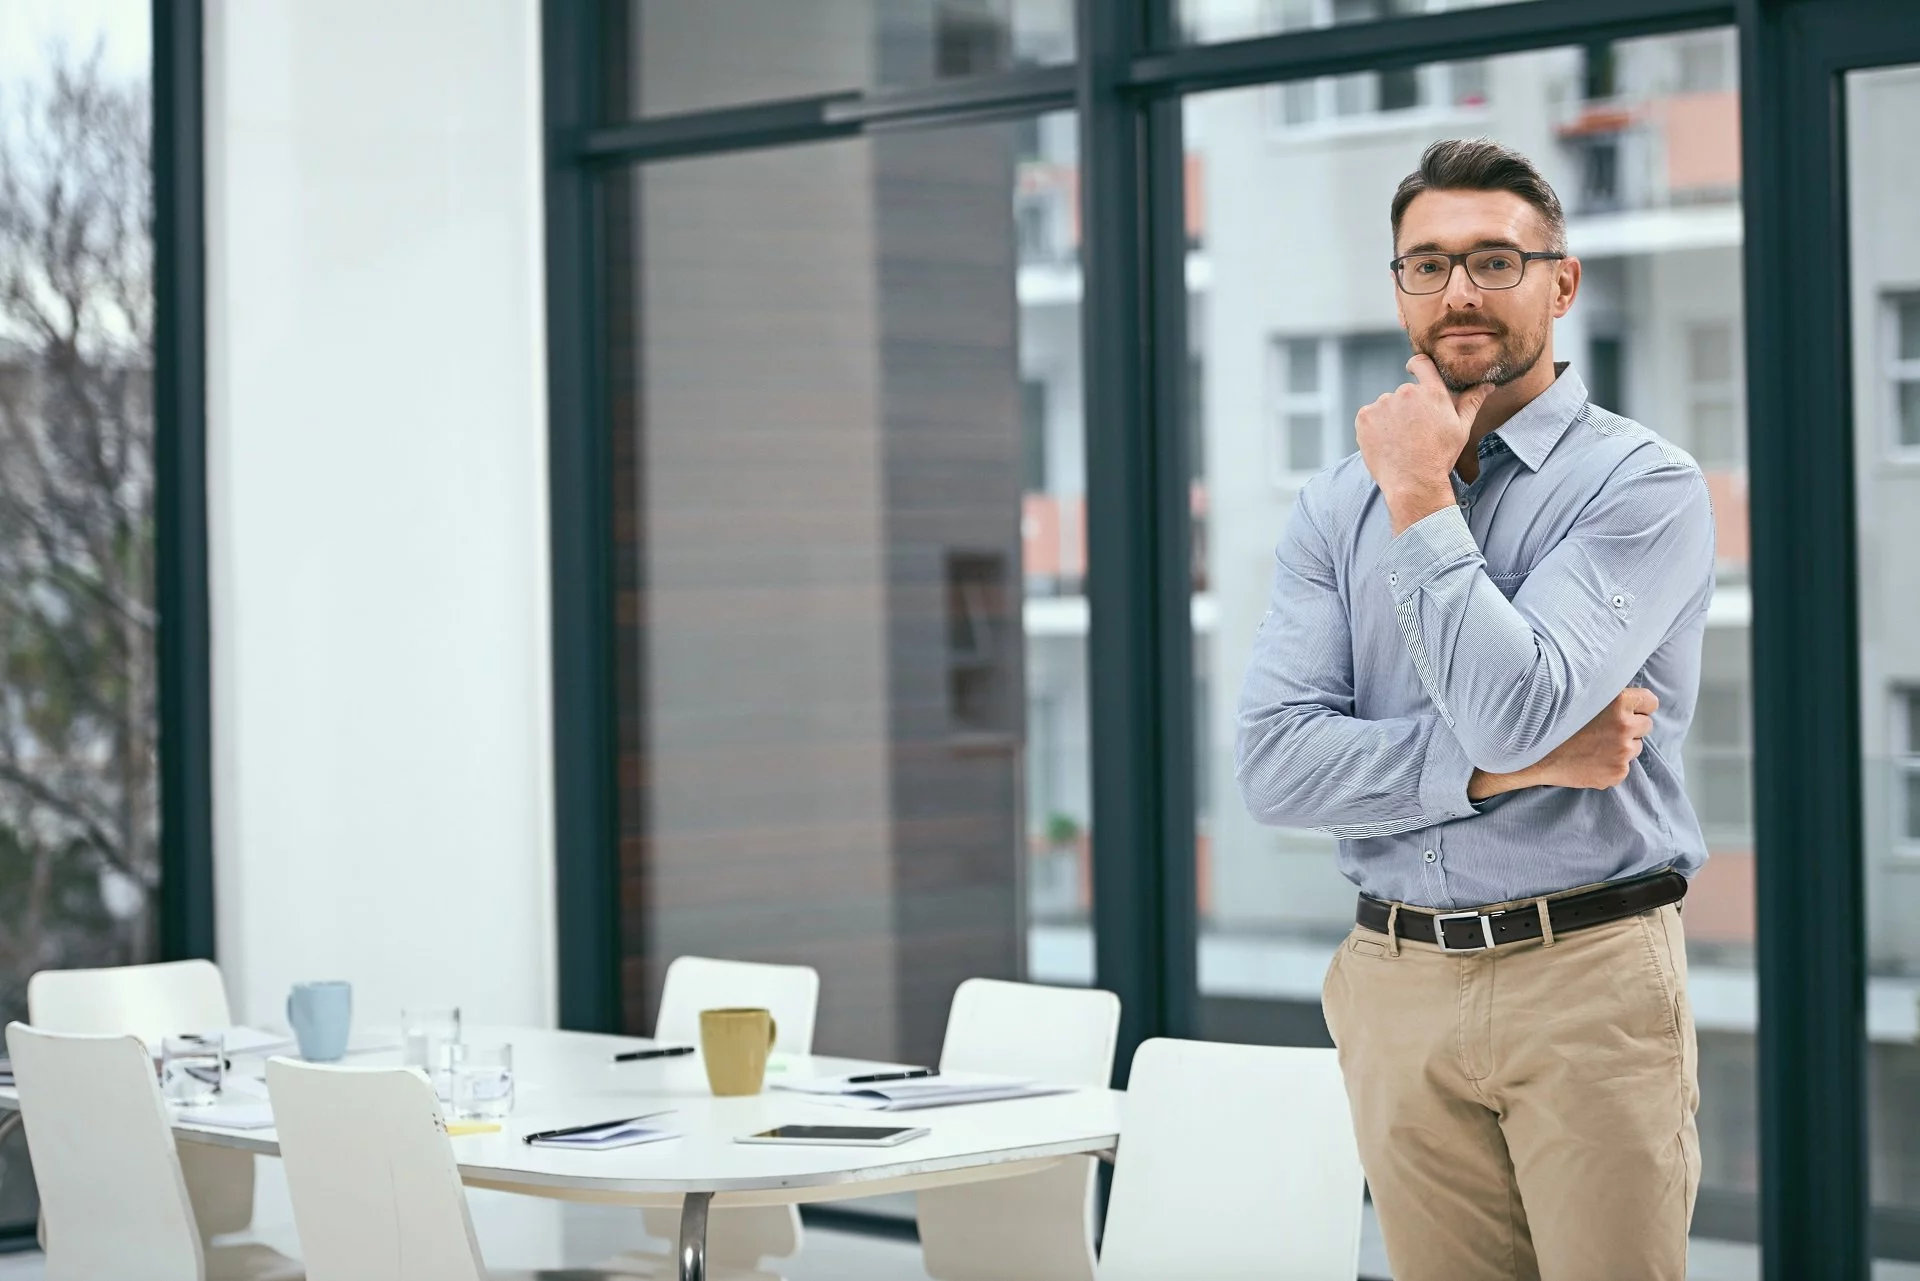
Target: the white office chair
(1234, 1161)
(375, 1187)
(1037, 1225)
(695, 983)
(152, 1001)
(111, 1190)
(737, 1237)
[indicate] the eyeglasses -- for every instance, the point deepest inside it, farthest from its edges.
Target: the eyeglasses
(1487, 268)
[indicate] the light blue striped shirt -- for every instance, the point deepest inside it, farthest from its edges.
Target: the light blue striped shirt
(1578, 563)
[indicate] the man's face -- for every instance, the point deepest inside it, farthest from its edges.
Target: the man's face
(1475, 335)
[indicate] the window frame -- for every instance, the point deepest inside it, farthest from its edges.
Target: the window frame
(1897, 372)
(1903, 762)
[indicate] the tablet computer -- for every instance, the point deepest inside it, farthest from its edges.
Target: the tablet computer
(856, 1136)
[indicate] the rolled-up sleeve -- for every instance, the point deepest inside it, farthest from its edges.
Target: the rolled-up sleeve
(1515, 679)
(1302, 758)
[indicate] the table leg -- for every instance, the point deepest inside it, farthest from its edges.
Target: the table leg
(693, 1236)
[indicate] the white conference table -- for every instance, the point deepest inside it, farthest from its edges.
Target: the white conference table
(569, 1078)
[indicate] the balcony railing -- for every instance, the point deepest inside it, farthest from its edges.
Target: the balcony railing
(1652, 153)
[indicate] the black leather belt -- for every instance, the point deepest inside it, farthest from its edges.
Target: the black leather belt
(1476, 931)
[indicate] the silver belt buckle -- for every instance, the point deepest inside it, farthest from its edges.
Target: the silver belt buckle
(1440, 931)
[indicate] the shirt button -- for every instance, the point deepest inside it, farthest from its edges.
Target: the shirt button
(1393, 580)
(1430, 856)
(1619, 602)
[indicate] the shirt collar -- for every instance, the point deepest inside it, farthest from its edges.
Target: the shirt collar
(1531, 434)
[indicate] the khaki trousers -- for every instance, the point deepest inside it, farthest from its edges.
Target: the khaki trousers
(1526, 1112)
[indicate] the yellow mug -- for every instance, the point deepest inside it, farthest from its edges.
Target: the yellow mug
(734, 1044)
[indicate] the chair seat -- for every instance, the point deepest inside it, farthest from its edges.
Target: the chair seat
(251, 1261)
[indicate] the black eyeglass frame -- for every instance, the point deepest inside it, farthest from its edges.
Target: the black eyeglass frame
(1460, 260)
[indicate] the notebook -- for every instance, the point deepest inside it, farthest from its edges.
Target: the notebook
(239, 1114)
(614, 1134)
(944, 1090)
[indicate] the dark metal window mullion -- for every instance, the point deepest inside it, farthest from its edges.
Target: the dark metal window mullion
(1137, 508)
(186, 897)
(1475, 31)
(585, 753)
(1816, 1194)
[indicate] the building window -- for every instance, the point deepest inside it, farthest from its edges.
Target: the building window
(1906, 770)
(1606, 375)
(1720, 765)
(1367, 93)
(1713, 395)
(1196, 424)
(1903, 370)
(1033, 433)
(1303, 404)
(1320, 384)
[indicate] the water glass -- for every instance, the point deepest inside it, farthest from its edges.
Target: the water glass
(192, 1068)
(482, 1080)
(424, 1036)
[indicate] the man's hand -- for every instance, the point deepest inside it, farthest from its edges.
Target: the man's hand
(1411, 438)
(1598, 757)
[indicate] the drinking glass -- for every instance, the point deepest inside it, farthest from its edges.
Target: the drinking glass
(192, 1068)
(424, 1036)
(482, 1081)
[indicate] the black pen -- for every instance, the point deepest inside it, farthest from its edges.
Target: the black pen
(669, 1052)
(597, 1125)
(911, 1074)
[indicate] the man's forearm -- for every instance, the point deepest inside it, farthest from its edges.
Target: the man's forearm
(1484, 786)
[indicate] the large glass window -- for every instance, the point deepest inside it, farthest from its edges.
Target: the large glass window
(79, 780)
(850, 512)
(1300, 331)
(695, 55)
(1885, 273)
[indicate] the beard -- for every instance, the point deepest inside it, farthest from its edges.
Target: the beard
(1513, 356)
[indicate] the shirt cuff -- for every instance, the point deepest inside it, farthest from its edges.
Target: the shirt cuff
(1425, 548)
(1444, 777)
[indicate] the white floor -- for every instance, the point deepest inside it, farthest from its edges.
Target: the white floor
(522, 1232)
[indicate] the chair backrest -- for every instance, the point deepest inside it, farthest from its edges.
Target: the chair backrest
(696, 983)
(152, 1001)
(149, 1001)
(376, 1190)
(1062, 1035)
(739, 1237)
(1040, 1224)
(1234, 1160)
(111, 1191)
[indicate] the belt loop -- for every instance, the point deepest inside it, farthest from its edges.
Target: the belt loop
(1393, 930)
(1546, 922)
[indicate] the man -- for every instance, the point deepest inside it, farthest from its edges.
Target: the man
(1482, 655)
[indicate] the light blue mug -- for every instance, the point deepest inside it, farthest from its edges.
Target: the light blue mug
(321, 1015)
